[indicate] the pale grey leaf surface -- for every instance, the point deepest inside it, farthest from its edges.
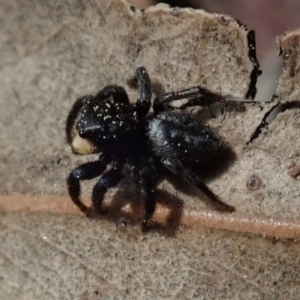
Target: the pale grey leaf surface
(73, 257)
(55, 52)
(288, 83)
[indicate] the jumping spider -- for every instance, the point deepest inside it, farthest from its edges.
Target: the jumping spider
(124, 134)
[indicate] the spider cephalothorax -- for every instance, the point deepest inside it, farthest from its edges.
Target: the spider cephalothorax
(124, 134)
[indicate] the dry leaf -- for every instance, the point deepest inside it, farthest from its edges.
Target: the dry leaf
(52, 54)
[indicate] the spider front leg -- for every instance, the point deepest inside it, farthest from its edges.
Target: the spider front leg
(108, 180)
(117, 92)
(74, 113)
(189, 177)
(86, 171)
(143, 103)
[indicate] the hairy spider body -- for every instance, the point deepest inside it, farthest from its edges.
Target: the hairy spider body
(172, 133)
(124, 134)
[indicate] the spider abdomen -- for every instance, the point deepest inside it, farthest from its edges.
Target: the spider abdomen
(179, 135)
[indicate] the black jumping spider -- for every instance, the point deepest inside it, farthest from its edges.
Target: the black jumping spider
(124, 134)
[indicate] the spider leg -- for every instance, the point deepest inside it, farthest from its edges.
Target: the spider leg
(143, 103)
(86, 171)
(108, 180)
(197, 91)
(74, 112)
(149, 179)
(117, 92)
(198, 102)
(177, 168)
